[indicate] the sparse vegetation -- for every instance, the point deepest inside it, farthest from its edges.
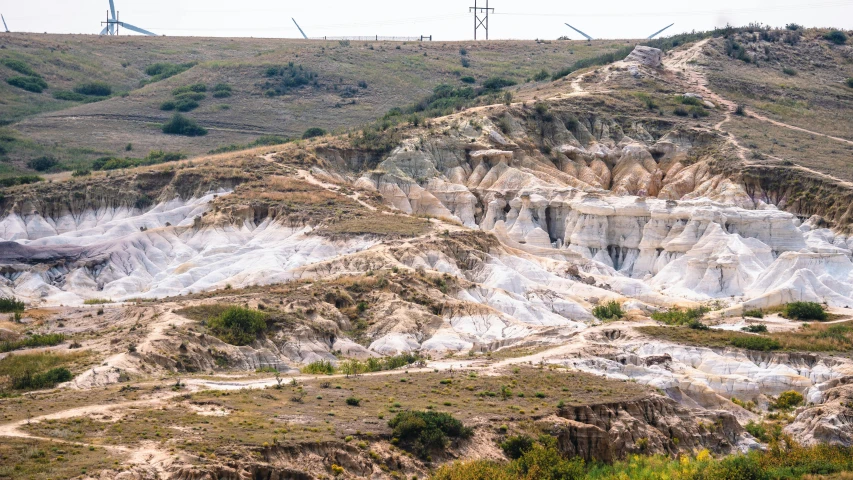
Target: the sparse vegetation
(787, 400)
(678, 316)
(20, 180)
(161, 71)
(285, 79)
(319, 367)
(238, 325)
(757, 328)
(754, 313)
(313, 132)
(836, 36)
(32, 341)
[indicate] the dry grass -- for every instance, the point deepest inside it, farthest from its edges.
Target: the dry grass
(37, 459)
(812, 337)
(316, 411)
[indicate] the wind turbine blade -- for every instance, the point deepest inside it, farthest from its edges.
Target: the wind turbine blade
(659, 31)
(4, 23)
(300, 28)
(137, 29)
(575, 29)
(105, 30)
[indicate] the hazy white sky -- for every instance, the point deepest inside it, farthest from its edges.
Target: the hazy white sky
(444, 19)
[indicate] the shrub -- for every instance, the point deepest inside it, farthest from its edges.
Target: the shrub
(850, 82)
(353, 401)
(804, 311)
(285, 79)
(787, 400)
(186, 105)
(319, 367)
(313, 132)
(542, 75)
(497, 83)
(464, 62)
(195, 96)
(609, 311)
(751, 342)
(20, 180)
(37, 340)
(20, 67)
(81, 172)
(48, 379)
(194, 88)
(96, 89)
(789, 71)
(160, 71)
(424, 432)
(680, 111)
(238, 325)
(678, 316)
(69, 96)
(697, 112)
(515, 446)
(544, 461)
(468, 79)
(697, 325)
(168, 105)
(754, 313)
(689, 100)
(42, 164)
(836, 36)
(740, 467)
(221, 90)
(758, 328)
(740, 110)
(181, 125)
(30, 84)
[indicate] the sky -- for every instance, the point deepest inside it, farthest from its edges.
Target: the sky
(444, 19)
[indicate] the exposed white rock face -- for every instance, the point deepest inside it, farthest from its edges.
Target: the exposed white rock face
(648, 56)
(134, 254)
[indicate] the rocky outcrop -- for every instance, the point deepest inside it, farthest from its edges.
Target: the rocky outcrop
(606, 432)
(828, 418)
(648, 56)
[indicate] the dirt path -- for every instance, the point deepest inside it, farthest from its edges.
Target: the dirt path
(684, 61)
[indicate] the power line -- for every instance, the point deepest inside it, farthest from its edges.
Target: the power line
(669, 13)
(481, 17)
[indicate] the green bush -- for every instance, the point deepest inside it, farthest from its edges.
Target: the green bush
(319, 367)
(698, 112)
(612, 310)
(168, 105)
(697, 325)
(739, 467)
(754, 313)
(758, 328)
(97, 89)
(160, 71)
(353, 401)
(195, 96)
(20, 67)
(48, 379)
(30, 84)
(313, 132)
(20, 180)
(850, 82)
(424, 432)
(468, 79)
(542, 75)
(186, 105)
(689, 100)
(514, 446)
(42, 164)
(194, 88)
(751, 342)
(285, 79)
(181, 125)
(37, 340)
(681, 111)
(804, 311)
(836, 36)
(69, 96)
(789, 71)
(221, 90)
(680, 317)
(787, 400)
(238, 325)
(497, 83)
(11, 304)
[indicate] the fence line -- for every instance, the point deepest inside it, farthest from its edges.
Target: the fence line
(377, 38)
